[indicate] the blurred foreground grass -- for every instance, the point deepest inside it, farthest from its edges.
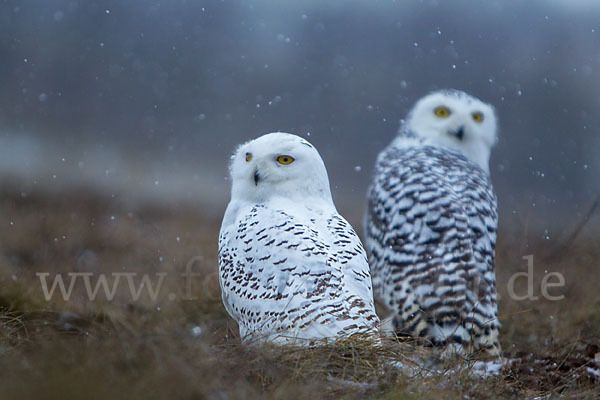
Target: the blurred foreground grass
(176, 347)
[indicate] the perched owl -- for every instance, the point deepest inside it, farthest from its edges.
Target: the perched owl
(290, 266)
(431, 224)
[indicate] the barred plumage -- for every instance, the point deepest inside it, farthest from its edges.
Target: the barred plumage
(431, 225)
(290, 266)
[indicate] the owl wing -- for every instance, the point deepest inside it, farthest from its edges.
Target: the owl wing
(347, 247)
(280, 277)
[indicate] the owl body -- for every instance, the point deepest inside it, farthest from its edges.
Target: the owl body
(431, 227)
(291, 268)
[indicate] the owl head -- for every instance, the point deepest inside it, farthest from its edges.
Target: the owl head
(456, 120)
(278, 164)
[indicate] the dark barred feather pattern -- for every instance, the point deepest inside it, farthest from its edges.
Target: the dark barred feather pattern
(431, 235)
(298, 273)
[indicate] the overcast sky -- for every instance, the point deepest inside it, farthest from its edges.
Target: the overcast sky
(156, 95)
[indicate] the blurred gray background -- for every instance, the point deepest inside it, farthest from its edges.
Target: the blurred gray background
(147, 99)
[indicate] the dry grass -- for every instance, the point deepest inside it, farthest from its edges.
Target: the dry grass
(177, 348)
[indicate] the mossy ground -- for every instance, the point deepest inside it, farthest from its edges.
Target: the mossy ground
(178, 347)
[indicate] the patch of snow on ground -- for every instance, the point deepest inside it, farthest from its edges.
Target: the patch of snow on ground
(488, 368)
(594, 371)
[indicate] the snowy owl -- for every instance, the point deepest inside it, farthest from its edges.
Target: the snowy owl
(290, 266)
(431, 224)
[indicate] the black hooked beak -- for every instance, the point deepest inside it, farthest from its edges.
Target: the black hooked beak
(459, 133)
(256, 177)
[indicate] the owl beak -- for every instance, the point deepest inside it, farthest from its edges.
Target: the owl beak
(256, 177)
(459, 133)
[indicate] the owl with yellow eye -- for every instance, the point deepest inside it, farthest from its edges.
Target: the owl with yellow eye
(291, 268)
(431, 225)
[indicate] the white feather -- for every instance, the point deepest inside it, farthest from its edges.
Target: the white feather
(290, 266)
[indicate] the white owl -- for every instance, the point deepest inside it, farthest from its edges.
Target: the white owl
(290, 266)
(431, 224)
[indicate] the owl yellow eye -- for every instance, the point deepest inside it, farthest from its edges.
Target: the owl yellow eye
(442, 112)
(477, 116)
(285, 160)
(248, 157)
